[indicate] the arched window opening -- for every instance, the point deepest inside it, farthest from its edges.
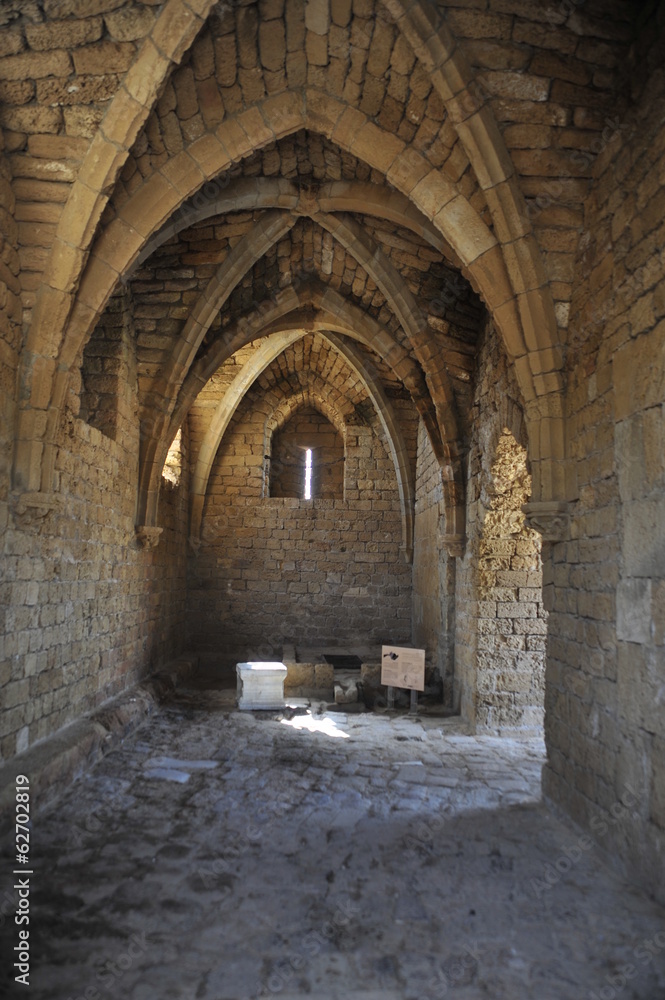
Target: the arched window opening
(307, 458)
(172, 471)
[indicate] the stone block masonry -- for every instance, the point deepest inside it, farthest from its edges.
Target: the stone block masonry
(606, 669)
(87, 612)
(286, 570)
(303, 571)
(433, 572)
(370, 168)
(502, 623)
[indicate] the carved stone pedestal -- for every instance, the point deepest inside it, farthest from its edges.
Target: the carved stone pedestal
(260, 685)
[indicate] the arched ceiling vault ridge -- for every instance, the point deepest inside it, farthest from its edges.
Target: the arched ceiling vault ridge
(235, 393)
(394, 436)
(160, 196)
(174, 30)
(365, 250)
(505, 266)
(156, 417)
(157, 409)
(290, 310)
(250, 249)
(265, 355)
(261, 193)
(527, 322)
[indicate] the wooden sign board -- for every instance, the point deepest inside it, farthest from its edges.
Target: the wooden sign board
(403, 667)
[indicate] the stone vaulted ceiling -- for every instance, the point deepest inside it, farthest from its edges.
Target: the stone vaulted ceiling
(357, 168)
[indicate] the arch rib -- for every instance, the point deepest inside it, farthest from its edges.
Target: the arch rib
(160, 196)
(264, 356)
(174, 30)
(154, 414)
(233, 396)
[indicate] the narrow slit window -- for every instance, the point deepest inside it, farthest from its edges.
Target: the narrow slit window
(308, 474)
(306, 458)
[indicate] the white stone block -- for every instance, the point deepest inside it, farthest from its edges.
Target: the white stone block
(260, 685)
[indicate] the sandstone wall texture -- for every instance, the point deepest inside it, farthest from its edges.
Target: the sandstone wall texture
(501, 624)
(10, 329)
(108, 373)
(440, 226)
(433, 572)
(605, 671)
(87, 611)
(306, 430)
(323, 572)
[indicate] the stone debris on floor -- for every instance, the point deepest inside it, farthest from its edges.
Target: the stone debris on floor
(325, 855)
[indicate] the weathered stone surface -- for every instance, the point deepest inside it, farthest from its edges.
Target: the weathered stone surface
(35, 64)
(53, 766)
(129, 24)
(87, 90)
(354, 792)
(107, 57)
(519, 172)
(64, 34)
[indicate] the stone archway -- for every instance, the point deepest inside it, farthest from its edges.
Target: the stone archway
(160, 195)
(274, 346)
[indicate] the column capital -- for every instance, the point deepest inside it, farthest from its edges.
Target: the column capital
(454, 545)
(147, 536)
(550, 518)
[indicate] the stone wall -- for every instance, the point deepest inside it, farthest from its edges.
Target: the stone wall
(10, 330)
(108, 372)
(306, 430)
(606, 727)
(433, 572)
(88, 611)
(290, 97)
(303, 571)
(512, 622)
(501, 620)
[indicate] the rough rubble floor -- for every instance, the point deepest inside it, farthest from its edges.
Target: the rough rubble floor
(346, 857)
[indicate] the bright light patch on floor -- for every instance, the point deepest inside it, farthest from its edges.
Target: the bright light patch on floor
(326, 726)
(308, 474)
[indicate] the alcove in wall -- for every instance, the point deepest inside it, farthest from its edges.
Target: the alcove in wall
(307, 458)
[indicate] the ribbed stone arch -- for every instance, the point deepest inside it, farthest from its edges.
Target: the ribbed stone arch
(158, 408)
(527, 320)
(388, 279)
(284, 409)
(310, 308)
(265, 355)
(394, 437)
(251, 194)
(379, 268)
(310, 395)
(235, 393)
(46, 356)
(166, 189)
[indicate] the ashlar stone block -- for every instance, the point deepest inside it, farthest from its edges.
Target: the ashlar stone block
(260, 685)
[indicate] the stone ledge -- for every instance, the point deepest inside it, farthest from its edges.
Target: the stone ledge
(54, 763)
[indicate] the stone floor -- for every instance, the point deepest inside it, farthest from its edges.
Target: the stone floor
(224, 856)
